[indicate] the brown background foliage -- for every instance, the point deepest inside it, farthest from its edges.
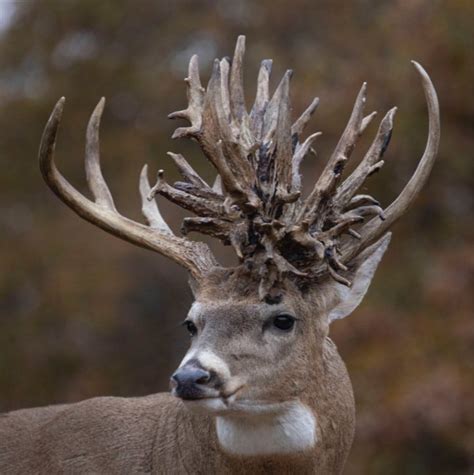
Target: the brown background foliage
(83, 314)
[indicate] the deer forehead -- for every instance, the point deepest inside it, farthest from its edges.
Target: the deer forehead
(227, 309)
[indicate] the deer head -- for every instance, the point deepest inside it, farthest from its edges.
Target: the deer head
(259, 329)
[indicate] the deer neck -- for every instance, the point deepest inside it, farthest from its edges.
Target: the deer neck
(323, 416)
(315, 430)
(284, 428)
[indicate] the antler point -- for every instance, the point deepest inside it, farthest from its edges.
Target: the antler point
(58, 109)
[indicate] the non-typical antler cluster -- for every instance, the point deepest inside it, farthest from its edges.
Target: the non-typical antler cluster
(256, 202)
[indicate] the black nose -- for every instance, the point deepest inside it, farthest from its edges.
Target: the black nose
(190, 382)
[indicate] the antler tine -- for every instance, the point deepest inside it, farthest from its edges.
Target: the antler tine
(300, 153)
(261, 98)
(375, 228)
(187, 171)
(217, 186)
(237, 100)
(353, 129)
(221, 145)
(196, 257)
(271, 111)
(215, 125)
(335, 165)
(149, 207)
(95, 179)
(302, 149)
(48, 169)
(371, 158)
(195, 93)
(299, 126)
(282, 140)
(366, 121)
(224, 68)
(192, 202)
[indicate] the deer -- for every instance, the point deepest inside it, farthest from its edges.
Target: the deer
(262, 388)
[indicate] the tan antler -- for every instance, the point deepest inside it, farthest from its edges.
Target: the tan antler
(255, 204)
(375, 228)
(196, 257)
(257, 155)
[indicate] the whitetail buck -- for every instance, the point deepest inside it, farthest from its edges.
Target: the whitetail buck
(262, 388)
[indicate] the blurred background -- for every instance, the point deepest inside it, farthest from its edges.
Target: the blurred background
(83, 314)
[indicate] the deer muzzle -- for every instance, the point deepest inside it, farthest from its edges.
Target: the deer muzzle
(193, 381)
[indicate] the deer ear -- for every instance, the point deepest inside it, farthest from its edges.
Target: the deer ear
(348, 298)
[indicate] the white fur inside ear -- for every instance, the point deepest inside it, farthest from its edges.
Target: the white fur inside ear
(351, 297)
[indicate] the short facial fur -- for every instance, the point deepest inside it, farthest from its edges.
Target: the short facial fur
(258, 370)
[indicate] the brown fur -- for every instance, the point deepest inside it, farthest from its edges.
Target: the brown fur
(157, 434)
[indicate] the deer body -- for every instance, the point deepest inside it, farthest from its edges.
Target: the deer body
(158, 434)
(262, 388)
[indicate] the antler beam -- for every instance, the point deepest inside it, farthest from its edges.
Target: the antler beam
(375, 228)
(196, 257)
(256, 203)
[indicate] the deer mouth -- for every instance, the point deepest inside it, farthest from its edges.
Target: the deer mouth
(230, 403)
(220, 406)
(221, 402)
(226, 396)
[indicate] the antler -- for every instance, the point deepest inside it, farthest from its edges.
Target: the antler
(257, 155)
(255, 204)
(375, 228)
(196, 257)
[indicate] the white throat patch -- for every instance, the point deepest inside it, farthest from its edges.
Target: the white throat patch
(291, 430)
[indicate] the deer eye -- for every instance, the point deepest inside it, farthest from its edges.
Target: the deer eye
(284, 322)
(192, 329)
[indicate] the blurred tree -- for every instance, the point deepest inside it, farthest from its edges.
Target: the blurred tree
(82, 314)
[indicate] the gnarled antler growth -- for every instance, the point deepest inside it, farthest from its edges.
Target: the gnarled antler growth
(257, 156)
(256, 204)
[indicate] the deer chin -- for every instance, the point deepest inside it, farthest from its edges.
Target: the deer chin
(207, 406)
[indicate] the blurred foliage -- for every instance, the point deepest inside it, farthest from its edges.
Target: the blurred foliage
(84, 314)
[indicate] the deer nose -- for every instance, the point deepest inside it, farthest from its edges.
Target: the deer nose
(190, 382)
